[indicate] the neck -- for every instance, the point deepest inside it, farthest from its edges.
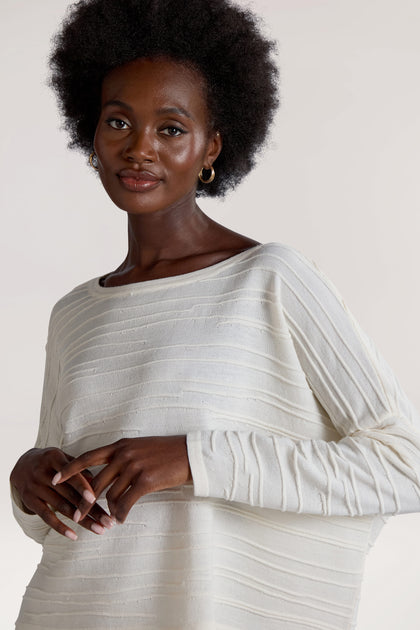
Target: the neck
(169, 234)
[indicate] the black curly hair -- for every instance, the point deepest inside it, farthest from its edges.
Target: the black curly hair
(219, 39)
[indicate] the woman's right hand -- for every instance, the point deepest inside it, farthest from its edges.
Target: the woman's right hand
(31, 478)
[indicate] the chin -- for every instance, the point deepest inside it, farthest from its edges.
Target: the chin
(141, 203)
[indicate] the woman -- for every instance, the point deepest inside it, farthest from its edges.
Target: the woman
(237, 414)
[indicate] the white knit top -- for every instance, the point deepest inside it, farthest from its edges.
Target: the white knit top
(299, 440)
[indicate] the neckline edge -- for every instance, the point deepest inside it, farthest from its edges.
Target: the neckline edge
(97, 288)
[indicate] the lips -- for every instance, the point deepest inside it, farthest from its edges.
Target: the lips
(138, 181)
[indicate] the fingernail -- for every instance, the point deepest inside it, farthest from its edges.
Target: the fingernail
(88, 496)
(56, 479)
(70, 534)
(77, 516)
(97, 528)
(107, 521)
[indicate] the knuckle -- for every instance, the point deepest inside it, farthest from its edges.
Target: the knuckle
(147, 480)
(80, 461)
(62, 507)
(50, 450)
(123, 445)
(53, 454)
(46, 514)
(126, 455)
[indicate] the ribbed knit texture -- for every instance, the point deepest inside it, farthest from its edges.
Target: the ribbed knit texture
(299, 440)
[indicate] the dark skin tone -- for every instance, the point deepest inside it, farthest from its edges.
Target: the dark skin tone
(152, 139)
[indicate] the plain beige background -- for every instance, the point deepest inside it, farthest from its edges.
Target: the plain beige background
(340, 181)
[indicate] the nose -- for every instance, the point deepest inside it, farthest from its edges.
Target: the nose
(140, 146)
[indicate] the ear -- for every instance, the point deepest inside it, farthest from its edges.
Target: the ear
(214, 147)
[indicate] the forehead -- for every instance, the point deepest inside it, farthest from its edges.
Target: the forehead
(154, 81)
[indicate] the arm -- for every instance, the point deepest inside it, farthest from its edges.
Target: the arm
(32, 524)
(34, 500)
(374, 467)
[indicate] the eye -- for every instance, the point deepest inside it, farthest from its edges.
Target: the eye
(117, 123)
(173, 131)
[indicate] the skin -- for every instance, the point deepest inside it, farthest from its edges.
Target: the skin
(31, 479)
(154, 123)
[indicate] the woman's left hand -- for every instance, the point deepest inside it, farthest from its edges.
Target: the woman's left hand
(133, 467)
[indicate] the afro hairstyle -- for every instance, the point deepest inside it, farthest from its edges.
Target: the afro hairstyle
(220, 40)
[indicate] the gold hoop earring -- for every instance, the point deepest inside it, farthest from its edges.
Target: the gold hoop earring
(92, 156)
(210, 179)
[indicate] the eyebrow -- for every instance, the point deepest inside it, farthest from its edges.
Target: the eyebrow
(164, 110)
(118, 104)
(175, 110)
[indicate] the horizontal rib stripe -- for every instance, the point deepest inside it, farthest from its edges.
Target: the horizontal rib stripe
(298, 438)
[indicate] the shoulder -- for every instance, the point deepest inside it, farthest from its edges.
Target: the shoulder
(282, 260)
(294, 272)
(75, 300)
(278, 254)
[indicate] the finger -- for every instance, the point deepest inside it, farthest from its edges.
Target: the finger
(114, 494)
(86, 495)
(79, 481)
(67, 496)
(95, 521)
(69, 457)
(83, 509)
(69, 492)
(101, 517)
(60, 504)
(123, 504)
(96, 513)
(93, 526)
(49, 517)
(105, 478)
(95, 457)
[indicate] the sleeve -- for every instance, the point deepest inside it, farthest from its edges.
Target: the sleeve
(32, 524)
(374, 468)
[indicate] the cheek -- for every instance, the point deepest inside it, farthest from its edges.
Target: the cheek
(188, 156)
(106, 163)
(103, 149)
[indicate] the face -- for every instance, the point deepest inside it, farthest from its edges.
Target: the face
(153, 135)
